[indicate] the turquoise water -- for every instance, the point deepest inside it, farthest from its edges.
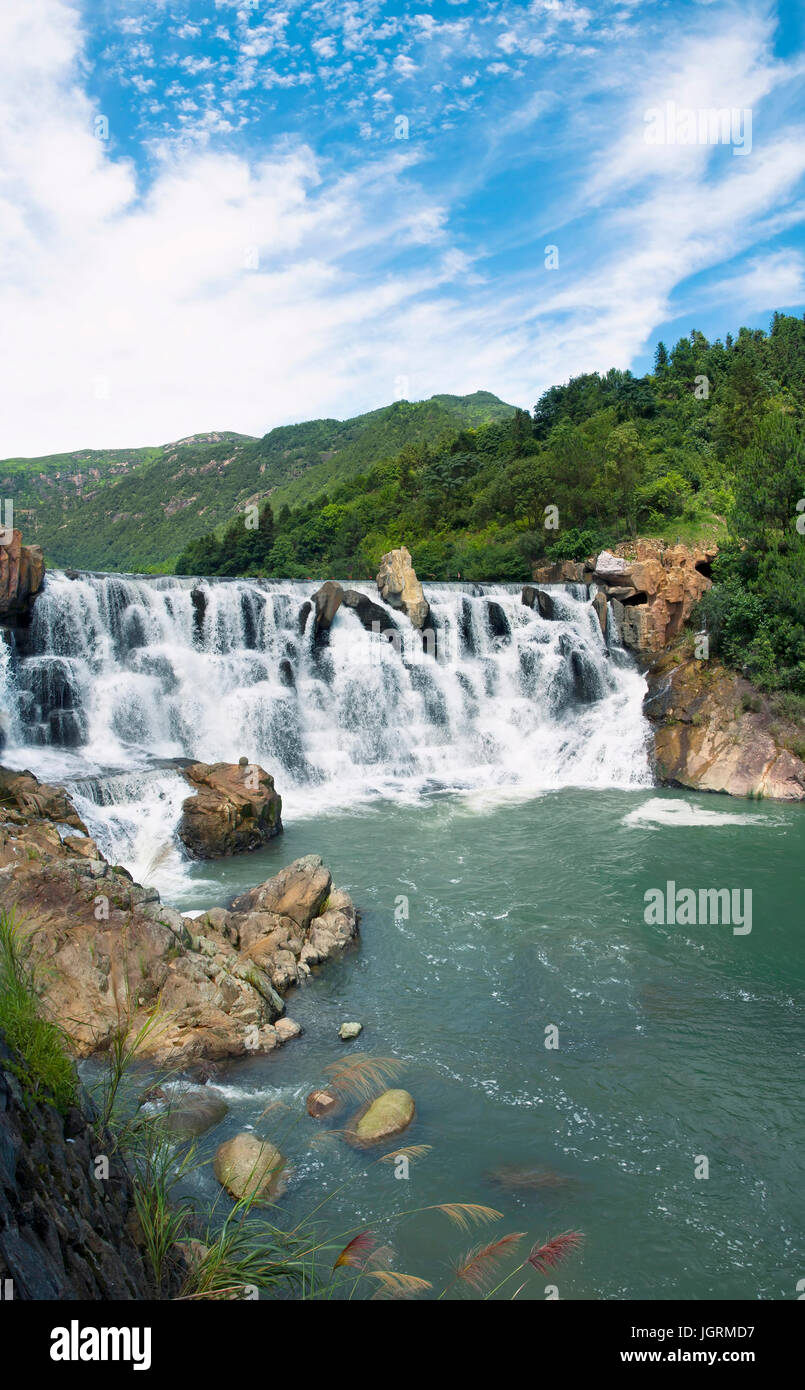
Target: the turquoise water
(674, 1041)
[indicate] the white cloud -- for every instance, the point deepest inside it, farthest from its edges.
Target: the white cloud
(324, 47)
(235, 292)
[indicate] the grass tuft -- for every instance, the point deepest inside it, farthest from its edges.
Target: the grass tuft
(43, 1063)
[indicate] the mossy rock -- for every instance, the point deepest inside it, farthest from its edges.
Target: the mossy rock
(247, 1166)
(389, 1114)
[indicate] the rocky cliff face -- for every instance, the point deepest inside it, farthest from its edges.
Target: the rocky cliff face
(112, 955)
(22, 569)
(64, 1232)
(714, 732)
(652, 588)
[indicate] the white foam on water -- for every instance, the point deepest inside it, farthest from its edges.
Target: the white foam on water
(122, 671)
(660, 811)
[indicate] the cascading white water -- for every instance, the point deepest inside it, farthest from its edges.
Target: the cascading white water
(117, 672)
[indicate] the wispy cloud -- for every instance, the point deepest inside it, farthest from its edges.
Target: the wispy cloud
(259, 239)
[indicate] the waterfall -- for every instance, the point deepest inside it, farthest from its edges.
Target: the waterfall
(119, 673)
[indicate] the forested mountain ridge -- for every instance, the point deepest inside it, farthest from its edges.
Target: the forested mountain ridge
(136, 509)
(709, 446)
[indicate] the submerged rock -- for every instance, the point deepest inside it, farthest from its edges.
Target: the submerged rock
(389, 1114)
(249, 1167)
(234, 809)
(194, 1112)
(320, 1103)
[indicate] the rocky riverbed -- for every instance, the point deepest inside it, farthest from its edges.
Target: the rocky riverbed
(114, 956)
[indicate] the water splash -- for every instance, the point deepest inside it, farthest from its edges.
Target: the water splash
(120, 671)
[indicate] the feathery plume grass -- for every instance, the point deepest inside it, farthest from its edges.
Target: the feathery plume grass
(357, 1251)
(360, 1075)
(411, 1151)
(395, 1285)
(479, 1264)
(466, 1214)
(548, 1256)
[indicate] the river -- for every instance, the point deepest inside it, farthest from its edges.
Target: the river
(494, 819)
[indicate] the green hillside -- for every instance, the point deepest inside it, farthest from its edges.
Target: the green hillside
(708, 446)
(137, 509)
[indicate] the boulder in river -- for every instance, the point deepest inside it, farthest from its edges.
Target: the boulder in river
(249, 1167)
(383, 1118)
(372, 615)
(348, 1031)
(193, 1112)
(600, 607)
(400, 588)
(323, 1102)
(546, 605)
(298, 891)
(327, 600)
(499, 625)
(234, 809)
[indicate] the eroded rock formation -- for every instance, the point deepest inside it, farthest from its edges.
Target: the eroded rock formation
(22, 569)
(652, 587)
(114, 956)
(400, 588)
(64, 1233)
(713, 732)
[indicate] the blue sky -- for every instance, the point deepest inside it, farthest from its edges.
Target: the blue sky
(230, 215)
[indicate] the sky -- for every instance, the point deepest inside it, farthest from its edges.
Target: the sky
(235, 214)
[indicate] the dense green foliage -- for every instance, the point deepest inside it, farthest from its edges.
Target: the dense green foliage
(755, 611)
(137, 509)
(674, 454)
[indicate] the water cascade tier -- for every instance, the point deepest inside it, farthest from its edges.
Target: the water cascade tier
(118, 676)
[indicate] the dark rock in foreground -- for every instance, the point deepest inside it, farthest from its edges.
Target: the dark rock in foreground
(64, 1233)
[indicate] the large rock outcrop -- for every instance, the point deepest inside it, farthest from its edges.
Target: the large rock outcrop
(65, 1233)
(652, 588)
(234, 809)
(113, 956)
(714, 732)
(22, 570)
(400, 588)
